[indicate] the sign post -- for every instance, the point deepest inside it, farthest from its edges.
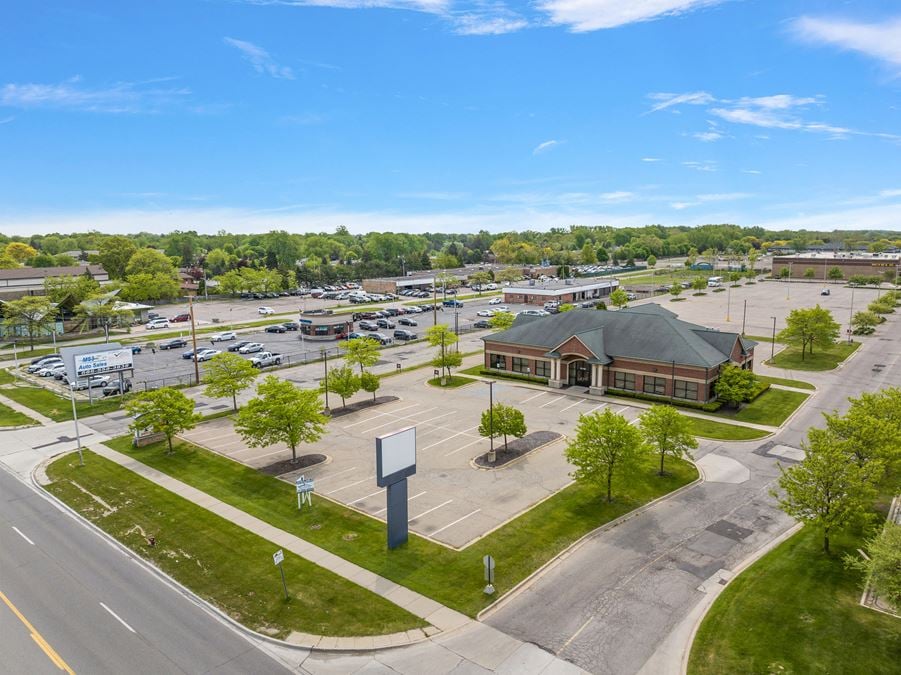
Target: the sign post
(488, 561)
(278, 558)
(395, 460)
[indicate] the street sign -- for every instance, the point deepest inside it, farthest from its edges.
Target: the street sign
(488, 562)
(278, 557)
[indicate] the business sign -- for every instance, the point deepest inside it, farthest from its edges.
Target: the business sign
(278, 557)
(395, 456)
(98, 363)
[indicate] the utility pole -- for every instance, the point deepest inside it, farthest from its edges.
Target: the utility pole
(492, 456)
(729, 302)
(773, 343)
(324, 353)
(744, 316)
(851, 315)
(194, 339)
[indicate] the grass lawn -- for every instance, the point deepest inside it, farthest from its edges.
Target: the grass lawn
(13, 418)
(796, 611)
(760, 338)
(721, 431)
(6, 377)
(822, 359)
(57, 408)
(772, 407)
(220, 561)
(797, 384)
(453, 578)
(452, 382)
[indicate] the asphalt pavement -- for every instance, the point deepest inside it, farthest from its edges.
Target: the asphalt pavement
(71, 602)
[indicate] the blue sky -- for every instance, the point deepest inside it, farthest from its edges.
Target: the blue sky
(448, 115)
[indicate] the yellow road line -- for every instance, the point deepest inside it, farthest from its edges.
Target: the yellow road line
(37, 637)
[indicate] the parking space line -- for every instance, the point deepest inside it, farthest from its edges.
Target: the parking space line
(318, 479)
(573, 405)
(381, 414)
(454, 452)
(409, 499)
(415, 422)
(597, 407)
(400, 417)
(552, 401)
(350, 485)
(540, 393)
(441, 529)
(459, 433)
(620, 411)
(434, 508)
(366, 497)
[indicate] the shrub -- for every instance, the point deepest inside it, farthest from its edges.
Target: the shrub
(713, 406)
(513, 376)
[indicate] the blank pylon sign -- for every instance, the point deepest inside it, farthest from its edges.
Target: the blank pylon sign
(395, 460)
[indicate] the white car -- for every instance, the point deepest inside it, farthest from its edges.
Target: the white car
(251, 348)
(207, 354)
(266, 311)
(223, 337)
(157, 323)
(534, 312)
(485, 312)
(51, 370)
(495, 301)
(414, 310)
(502, 308)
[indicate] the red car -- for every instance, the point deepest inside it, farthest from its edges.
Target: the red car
(180, 317)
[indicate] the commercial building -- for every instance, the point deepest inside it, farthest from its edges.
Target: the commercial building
(424, 280)
(534, 292)
(21, 281)
(323, 325)
(850, 264)
(644, 349)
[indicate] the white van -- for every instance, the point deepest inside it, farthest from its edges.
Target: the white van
(157, 323)
(713, 282)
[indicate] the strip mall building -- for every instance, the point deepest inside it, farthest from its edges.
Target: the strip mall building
(645, 349)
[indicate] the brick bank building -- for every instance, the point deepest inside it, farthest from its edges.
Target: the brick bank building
(645, 349)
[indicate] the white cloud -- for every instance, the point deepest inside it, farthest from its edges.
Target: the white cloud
(888, 194)
(778, 101)
(260, 59)
(7, 120)
(120, 97)
(753, 172)
(880, 41)
(651, 159)
(588, 15)
(708, 136)
(617, 197)
(708, 165)
(709, 198)
(303, 119)
(666, 100)
(544, 147)
(487, 18)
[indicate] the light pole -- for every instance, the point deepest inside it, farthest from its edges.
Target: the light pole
(744, 316)
(773, 343)
(324, 353)
(194, 339)
(788, 288)
(75, 418)
(729, 302)
(851, 315)
(492, 455)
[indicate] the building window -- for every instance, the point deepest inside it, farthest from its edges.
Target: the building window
(687, 390)
(542, 368)
(499, 362)
(654, 385)
(519, 365)
(321, 330)
(624, 381)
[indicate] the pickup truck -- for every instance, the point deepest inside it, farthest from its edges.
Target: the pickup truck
(266, 359)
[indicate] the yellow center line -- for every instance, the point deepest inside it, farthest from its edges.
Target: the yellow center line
(37, 637)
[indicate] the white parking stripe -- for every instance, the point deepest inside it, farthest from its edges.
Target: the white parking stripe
(434, 508)
(409, 499)
(381, 414)
(454, 452)
(22, 534)
(366, 497)
(319, 479)
(459, 433)
(350, 485)
(573, 405)
(441, 529)
(118, 618)
(552, 401)
(597, 407)
(540, 393)
(401, 417)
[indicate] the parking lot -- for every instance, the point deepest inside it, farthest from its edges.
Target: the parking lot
(449, 499)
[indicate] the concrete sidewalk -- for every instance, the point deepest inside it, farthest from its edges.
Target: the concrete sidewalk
(452, 639)
(25, 410)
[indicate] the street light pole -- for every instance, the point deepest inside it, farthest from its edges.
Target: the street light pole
(729, 302)
(75, 418)
(325, 361)
(492, 456)
(788, 288)
(851, 316)
(744, 316)
(773, 343)
(194, 339)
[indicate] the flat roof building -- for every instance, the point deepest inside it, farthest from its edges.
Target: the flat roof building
(323, 325)
(20, 281)
(643, 349)
(849, 264)
(559, 290)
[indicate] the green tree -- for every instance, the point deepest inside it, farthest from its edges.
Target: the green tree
(101, 310)
(835, 273)
(507, 274)
(115, 252)
(444, 338)
(735, 385)
(825, 490)
(362, 353)
(369, 382)
(588, 256)
(805, 328)
(7, 263)
(871, 428)
(343, 381)
(675, 290)
(502, 320)
(479, 279)
(566, 307)
(78, 288)
(784, 272)
(619, 298)
(507, 421)
(604, 445)
(149, 261)
(230, 283)
(809, 273)
(651, 261)
(34, 315)
(667, 432)
(446, 261)
(699, 284)
(882, 567)
(228, 374)
(164, 411)
(864, 323)
(281, 413)
(19, 252)
(144, 287)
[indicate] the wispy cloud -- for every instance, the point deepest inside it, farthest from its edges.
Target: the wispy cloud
(260, 59)
(120, 97)
(667, 100)
(708, 165)
(6, 120)
(708, 198)
(880, 41)
(651, 159)
(302, 119)
(544, 147)
(889, 194)
(753, 172)
(434, 195)
(587, 15)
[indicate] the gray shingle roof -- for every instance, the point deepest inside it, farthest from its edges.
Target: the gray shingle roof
(647, 332)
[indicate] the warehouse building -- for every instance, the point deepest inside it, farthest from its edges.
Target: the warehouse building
(850, 264)
(561, 291)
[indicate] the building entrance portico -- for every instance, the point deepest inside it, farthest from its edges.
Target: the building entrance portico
(578, 373)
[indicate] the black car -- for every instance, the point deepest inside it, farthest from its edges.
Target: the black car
(174, 343)
(482, 323)
(277, 328)
(385, 323)
(235, 347)
(406, 321)
(136, 349)
(291, 325)
(401, 334)
(368, 325)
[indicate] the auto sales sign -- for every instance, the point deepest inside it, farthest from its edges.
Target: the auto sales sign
(98, 363)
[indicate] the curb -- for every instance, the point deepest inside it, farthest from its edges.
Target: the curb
(565, 553)
(517, 460)
(204, 604)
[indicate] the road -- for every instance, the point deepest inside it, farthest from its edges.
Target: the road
(71, 602)
(614, 601)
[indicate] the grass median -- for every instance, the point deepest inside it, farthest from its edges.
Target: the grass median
(822, 359)
(723, 432)
(785, 382)
(772, 408)
(13, 418)
(453, 578)
(56, 407)
(451, 382)
(218, 560)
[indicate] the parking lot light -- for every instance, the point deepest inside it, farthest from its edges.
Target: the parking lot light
(492, 455)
